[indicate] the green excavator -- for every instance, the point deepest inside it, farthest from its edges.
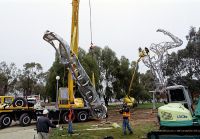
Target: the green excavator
(177, 118)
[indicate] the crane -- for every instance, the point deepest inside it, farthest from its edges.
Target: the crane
(73, 44)
(68, 56)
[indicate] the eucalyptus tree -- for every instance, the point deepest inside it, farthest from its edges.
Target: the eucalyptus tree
(183, 66)
(57, 69)
(8, 77)
(122, 74)
(31, 75)
(108, 60)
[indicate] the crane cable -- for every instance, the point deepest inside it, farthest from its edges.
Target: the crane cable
(91, 43)
(90, 23)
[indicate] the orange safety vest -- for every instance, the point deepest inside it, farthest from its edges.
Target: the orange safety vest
(70, 115)
(126, 114)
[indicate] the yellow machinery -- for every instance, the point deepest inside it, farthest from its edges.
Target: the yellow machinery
(9, 103)
(17, 109)
(91, 105)
(128, 99)
(73, 45)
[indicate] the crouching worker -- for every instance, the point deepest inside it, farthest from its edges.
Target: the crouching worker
(43, 124)
(126, 117)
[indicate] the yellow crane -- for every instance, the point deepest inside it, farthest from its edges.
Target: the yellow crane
(91, 105)
(73, 44)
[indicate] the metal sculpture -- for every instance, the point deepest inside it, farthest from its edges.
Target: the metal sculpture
(68, 57)
(159, 61)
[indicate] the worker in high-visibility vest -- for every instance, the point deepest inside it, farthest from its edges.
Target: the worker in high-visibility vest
(126, 117)
(70, 120)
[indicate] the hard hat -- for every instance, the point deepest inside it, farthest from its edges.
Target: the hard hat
(45, 111)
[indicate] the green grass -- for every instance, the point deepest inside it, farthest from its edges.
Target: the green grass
(149, 105)
(81, 133)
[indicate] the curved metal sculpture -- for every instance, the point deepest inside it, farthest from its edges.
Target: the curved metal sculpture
(69, 58)
(157, 62)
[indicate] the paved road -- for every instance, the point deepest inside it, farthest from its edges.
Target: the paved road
(18, 132)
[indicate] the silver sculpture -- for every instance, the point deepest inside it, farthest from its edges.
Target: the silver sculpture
(69, 58)
(159, 61)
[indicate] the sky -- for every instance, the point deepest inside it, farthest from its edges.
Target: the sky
(123, 25)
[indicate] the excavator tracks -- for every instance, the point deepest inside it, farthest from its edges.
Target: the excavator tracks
(174, 134)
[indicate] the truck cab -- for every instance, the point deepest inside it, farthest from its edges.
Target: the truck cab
(17, 109)
(6, 99)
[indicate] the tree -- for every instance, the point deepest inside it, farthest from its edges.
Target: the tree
(57, 69)
(122, 74)
(108, 59)
(30, 77)
(183, 66)
(8, 77)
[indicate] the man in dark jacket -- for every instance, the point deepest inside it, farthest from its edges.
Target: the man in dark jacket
(43, 124)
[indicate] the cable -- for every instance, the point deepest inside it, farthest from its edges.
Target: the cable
(90, 22)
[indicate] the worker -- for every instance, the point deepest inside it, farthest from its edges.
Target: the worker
(43, 124)
(126, 117)
(142, 53)
(70, 119)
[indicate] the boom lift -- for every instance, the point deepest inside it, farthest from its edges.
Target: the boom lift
(178, 113)
(128, 99)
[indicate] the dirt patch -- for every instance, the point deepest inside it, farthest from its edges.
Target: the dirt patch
(139, 117)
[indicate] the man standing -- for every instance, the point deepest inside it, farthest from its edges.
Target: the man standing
(70, 119)
(43, 124)
(126, 116)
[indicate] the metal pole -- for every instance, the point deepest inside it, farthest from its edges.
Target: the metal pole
(57, 78)
(154, 105)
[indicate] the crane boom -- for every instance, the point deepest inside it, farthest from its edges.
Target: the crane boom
(73, 44)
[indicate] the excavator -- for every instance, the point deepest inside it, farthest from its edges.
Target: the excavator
(177, 118)
(90, 104)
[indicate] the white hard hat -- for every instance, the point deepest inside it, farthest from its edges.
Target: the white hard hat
(45, 111)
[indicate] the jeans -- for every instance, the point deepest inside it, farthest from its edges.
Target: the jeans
(42, 135)
(70, 127)
(126, 124)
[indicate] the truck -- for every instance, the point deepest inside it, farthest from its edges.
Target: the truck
(16, 109)
(59, 111)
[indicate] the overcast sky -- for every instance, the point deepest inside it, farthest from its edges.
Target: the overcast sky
(123, 25)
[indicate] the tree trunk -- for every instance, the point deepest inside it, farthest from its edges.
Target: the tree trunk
(106, 100)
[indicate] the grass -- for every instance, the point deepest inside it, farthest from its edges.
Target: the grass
(81, 133)
(139, 106)
(149, 105)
